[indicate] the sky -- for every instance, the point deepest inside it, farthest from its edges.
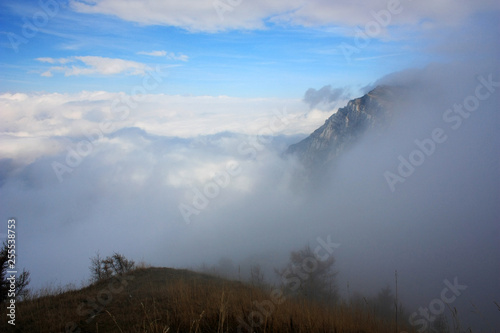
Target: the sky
(157, 129)
(253, 49)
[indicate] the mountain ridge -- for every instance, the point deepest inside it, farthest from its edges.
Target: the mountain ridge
(344, 128)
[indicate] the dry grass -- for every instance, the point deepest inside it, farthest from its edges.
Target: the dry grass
(168, 300)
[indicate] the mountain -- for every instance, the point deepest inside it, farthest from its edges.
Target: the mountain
(346, 126)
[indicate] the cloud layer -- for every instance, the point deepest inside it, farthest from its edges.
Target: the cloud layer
(36, 125)
(93, 65)
(221, 15)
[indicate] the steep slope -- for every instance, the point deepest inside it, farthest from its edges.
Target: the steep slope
(345, 127)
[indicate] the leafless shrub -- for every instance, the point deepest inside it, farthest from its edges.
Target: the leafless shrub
(117, 264)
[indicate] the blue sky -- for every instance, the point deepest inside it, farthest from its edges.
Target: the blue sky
(275, 59)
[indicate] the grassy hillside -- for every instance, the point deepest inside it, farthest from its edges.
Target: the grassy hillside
(171, 300)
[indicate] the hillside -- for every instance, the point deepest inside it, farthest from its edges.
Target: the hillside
(171, 300)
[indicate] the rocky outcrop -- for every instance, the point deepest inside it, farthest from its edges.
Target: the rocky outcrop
(345, 127)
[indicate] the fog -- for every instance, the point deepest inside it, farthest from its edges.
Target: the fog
(138, 193)
(325, 97)
(440, 223)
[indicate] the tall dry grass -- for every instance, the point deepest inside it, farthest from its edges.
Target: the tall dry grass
(168, 300)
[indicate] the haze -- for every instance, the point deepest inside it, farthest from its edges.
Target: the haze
(175, 100)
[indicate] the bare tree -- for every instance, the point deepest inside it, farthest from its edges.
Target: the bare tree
(22, 280)
(310, 277)
(384, 304)
(116, 264)
(256, 276)
(95, 267)
(120, 264)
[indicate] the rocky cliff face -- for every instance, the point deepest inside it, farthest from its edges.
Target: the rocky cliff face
(345, 127)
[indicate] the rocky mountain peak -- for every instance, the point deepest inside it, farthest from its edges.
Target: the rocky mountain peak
(345, 127)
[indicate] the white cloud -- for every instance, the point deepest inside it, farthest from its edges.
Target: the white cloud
(191, 15)
(169, 55)
(154, 53)
(203, 15)
(61, 61)
(180, 56)
(54, 118)
(25, 149)
(89, 65)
